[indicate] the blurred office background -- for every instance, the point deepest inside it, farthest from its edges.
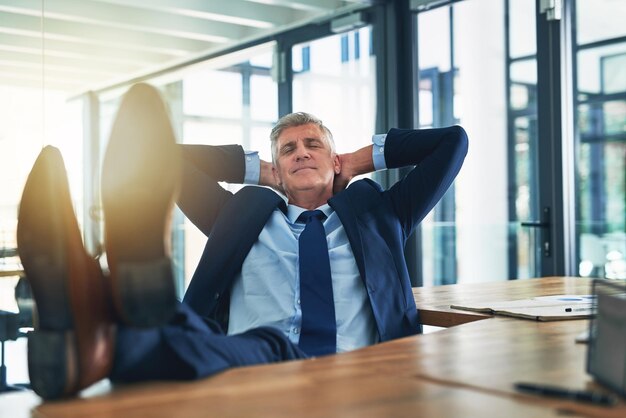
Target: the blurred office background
(540, 90)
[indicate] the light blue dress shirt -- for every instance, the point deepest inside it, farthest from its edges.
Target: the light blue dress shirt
(267, 290)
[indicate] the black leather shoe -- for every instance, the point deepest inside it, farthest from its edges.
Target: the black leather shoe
(72, 344)
(140, 177)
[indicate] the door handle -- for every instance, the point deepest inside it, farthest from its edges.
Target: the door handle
(535, 224)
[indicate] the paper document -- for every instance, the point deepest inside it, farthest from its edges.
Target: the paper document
(542, 308)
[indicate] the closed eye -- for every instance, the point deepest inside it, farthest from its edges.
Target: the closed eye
(287, 149)
(314, 143)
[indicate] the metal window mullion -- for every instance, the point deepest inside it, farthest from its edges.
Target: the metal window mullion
(393, 45)
(512, 259)
(285, 79)
(555, 149)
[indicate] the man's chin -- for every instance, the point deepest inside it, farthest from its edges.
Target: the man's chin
(304, 186)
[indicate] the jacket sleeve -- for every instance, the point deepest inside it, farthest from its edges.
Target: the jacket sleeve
(437, 156)
(204, 166)
(221, 163)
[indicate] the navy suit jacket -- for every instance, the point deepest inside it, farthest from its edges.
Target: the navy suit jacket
(377, 222)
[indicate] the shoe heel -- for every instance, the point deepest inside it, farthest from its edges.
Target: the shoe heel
(52, 364)
(147, 292)
(48, 279)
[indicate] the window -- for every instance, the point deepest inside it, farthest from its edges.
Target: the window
(469, 75)
(334, 79)
(600, 129)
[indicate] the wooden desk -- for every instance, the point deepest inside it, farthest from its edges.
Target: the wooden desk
(463, 371)
(11, 273)
(434, 303)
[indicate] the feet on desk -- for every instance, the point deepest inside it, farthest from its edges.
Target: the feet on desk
(72, 345)
(78, 306)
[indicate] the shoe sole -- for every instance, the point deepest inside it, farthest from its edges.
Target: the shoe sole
(140, 177)
(52, 363)
(42, 237)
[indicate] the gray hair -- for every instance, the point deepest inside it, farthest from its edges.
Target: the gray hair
(291, 120)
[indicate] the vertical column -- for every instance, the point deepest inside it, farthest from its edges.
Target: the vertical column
(555, 150)
(393, 44)
(173, 93)
(92, 214)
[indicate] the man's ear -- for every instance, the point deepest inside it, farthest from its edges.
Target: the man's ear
(337, 164)
(276, 175)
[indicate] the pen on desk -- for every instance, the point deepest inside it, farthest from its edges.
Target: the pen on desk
(578, 309)
(565, 393)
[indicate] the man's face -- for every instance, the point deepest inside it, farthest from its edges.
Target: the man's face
(304, 160)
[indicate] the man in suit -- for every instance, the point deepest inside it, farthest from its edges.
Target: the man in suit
(126, 324)
(249, 274)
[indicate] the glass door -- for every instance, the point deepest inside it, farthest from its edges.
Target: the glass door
(483, 77)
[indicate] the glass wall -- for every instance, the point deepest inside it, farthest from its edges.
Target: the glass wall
(30, 120)
(523, 242)
(439, 105)
(485, 78)
(475, 75)
(600, 129)
(335, 79)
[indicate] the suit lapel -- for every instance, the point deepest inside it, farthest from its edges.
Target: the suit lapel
(348, 217)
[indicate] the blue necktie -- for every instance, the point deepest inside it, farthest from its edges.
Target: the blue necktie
(318, 334)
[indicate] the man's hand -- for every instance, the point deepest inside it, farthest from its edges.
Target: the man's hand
(353, 164)
(267, 177)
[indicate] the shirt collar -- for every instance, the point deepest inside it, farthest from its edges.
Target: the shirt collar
(293, 211)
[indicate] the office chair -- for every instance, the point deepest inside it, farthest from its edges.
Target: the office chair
(10, 324)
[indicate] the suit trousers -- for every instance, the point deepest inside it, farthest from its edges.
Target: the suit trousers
(190, 347)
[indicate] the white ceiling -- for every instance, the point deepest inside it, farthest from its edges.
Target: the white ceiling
(78, 45)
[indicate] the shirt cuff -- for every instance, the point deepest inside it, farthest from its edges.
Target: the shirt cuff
(253, 167)
(378, 151)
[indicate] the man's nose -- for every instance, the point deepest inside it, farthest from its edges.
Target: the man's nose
(302, 153)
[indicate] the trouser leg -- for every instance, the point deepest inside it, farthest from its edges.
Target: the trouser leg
(190, 347)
